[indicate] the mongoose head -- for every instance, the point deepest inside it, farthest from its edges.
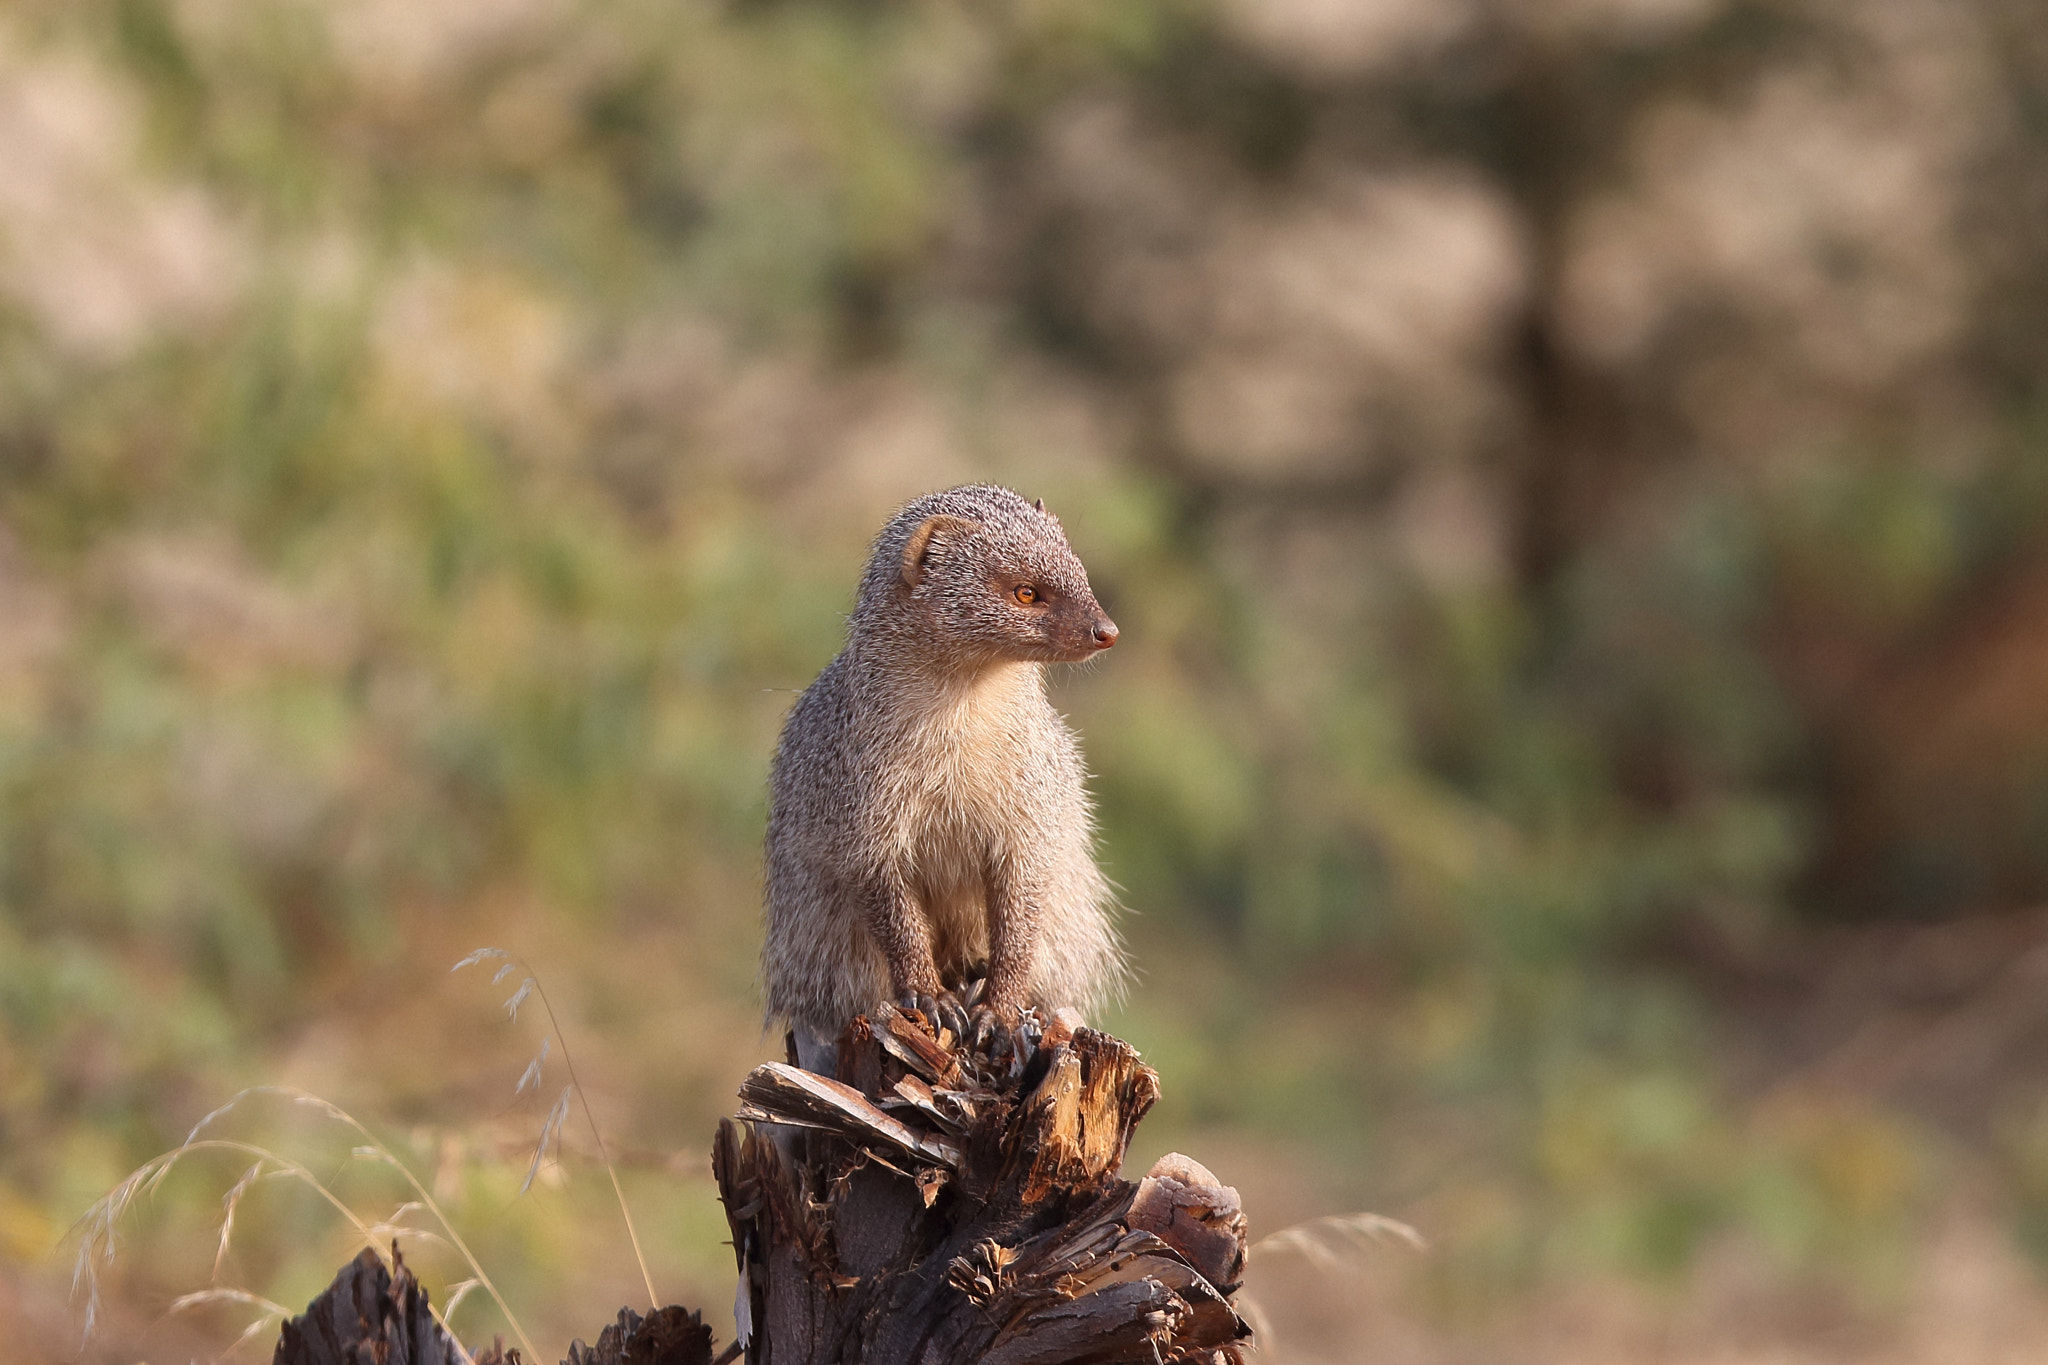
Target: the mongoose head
(983, 576)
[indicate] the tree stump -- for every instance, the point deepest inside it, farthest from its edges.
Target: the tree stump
(935, 1204)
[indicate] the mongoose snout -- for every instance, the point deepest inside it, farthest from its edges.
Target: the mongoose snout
(927, 810)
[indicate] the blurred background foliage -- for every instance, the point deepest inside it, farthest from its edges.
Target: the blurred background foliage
(1571, 476)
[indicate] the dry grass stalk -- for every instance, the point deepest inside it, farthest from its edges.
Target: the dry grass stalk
(551, 1129)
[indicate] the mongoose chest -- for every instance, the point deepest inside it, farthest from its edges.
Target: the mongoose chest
(963, 788)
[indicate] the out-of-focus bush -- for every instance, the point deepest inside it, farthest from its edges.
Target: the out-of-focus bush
(1570, 477)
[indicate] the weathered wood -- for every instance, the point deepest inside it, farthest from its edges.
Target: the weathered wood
(667, 1336)
(373, 1316)
(938, 1205)
(368, 1316)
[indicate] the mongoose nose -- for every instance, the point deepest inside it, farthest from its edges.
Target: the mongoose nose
(1105, 633)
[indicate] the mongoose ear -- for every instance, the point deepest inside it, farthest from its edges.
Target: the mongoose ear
(918, 548)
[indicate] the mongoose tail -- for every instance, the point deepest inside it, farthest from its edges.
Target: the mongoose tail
(927, 809)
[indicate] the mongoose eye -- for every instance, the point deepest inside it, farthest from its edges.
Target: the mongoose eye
(1025, 593)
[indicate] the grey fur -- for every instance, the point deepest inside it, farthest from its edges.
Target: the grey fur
(927, 807)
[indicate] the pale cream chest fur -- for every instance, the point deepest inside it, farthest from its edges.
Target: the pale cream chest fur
(962, 765)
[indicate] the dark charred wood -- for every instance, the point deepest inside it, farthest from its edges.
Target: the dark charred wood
(371, 1315)
(667, 1336)
(368, 1316)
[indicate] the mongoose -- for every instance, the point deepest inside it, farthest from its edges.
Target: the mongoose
(926, 809)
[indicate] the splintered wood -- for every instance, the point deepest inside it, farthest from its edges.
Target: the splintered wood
(937, 1204)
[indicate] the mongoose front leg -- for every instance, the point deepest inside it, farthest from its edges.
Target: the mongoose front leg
(900, 931)
(1013, 926)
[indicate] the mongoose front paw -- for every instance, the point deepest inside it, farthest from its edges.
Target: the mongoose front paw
(953, 1015)
(982, 1027)
(1003, 1035)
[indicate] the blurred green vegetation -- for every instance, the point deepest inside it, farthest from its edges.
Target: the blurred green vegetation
(1572, 487)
